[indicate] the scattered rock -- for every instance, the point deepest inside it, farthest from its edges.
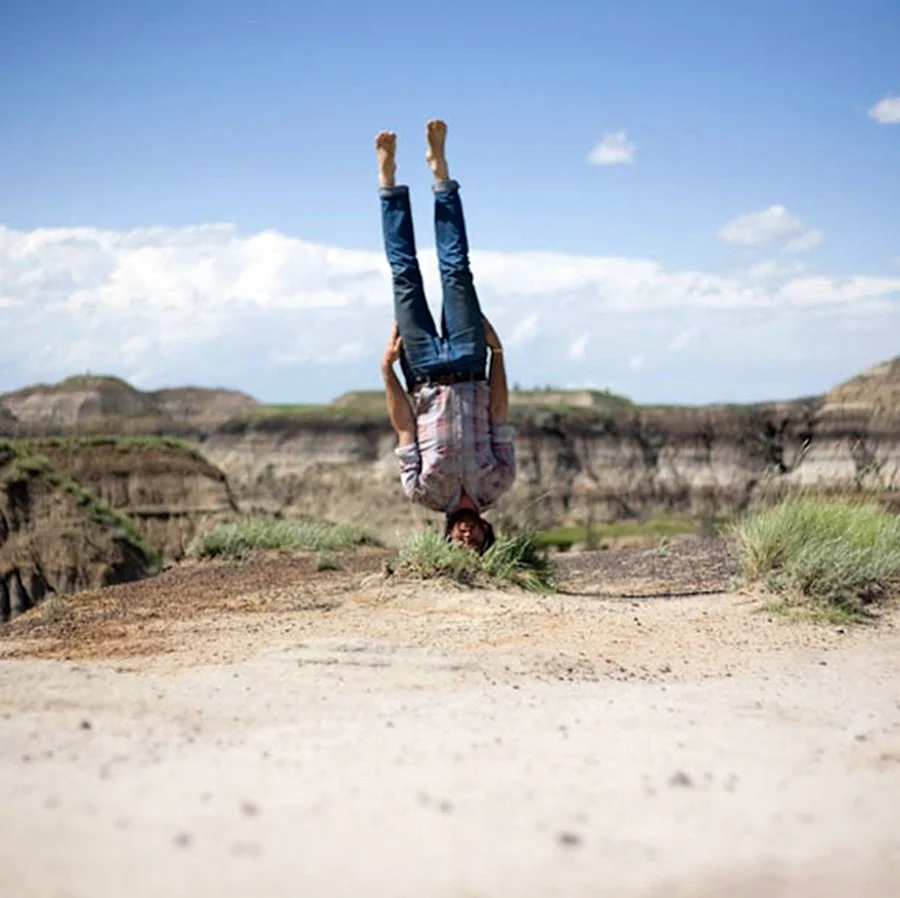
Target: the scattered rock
(681, 779)
(569, 839)
(184, 840)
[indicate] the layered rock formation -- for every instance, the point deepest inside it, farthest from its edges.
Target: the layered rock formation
(167, 488)
(584, 464)
(55, 537)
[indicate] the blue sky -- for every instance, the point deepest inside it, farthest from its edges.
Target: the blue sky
(130, 128)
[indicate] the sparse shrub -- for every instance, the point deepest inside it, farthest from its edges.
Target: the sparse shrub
(427, 554)
(835, 556)
(514, 561)
(241, 538)
(325, 561)
(519, 560)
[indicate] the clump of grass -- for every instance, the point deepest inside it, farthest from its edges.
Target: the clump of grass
(831, 556)
(427, 554)
(516, 561)
(519, 560)
(325, 561)
(242, 538)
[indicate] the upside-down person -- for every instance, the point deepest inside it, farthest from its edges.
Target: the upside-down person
(455, 448)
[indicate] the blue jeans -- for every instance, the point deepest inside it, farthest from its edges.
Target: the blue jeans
(460, 347)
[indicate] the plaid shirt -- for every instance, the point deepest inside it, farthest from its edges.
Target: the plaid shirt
(457, 448)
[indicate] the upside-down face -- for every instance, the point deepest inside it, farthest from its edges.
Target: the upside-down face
(468, 529)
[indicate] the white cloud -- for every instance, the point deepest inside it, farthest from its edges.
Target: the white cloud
(819, 290)
(293, 321)
(886, 111)
(578, 347)
(685, 337)
(806, 241)
(613, 149)
(772, 226)
(774, 269)
(525, 330)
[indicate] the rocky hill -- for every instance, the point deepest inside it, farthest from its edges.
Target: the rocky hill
(165, 486)
(75, 510)
(8, 422)
(57, 537)
(103, 404)
(874, 394)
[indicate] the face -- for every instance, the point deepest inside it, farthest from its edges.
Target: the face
(468, 531)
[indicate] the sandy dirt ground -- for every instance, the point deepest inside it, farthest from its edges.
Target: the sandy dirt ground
(263, 729)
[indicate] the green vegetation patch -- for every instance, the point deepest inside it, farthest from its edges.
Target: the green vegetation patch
(239, 539)
(663, 526)
(36, 445)
(831, 557)
(516, 561)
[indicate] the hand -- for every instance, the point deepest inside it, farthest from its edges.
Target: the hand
(393, 349)
(490, 335)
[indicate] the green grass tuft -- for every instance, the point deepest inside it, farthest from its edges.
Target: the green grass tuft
(834, 557)
(242, 538)
(516, 561)
(661, 527)
(520, 561)
(325, 561)
(427, 554)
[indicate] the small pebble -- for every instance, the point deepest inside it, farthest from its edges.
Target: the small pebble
(681, 779)
(569, 839)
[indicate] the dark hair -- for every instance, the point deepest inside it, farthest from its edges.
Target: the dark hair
(489, 537)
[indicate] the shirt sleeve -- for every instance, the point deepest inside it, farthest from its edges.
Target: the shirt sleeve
(410, 468)
(503, 473)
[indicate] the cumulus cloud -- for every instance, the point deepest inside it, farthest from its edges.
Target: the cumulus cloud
(886, 111)
(773, 226)
(525, 330)
(291, 320)
(613, 149)
(682, 339)
(578, 347)
(774, 269)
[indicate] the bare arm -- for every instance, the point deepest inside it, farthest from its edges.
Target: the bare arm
(398, 407)
(499, 401)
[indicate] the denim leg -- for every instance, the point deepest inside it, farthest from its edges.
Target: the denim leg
(461, 318)
(421, 345)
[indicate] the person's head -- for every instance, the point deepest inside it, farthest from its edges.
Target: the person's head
(467, 528)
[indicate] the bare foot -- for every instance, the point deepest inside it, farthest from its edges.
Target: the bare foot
(436, 135)
(386, 151)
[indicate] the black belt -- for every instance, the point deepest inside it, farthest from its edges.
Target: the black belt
(444, 380)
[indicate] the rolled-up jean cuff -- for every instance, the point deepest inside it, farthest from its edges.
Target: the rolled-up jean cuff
(445, 186)
(399, 190)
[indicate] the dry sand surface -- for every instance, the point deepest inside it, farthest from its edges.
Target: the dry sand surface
(266, 730)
